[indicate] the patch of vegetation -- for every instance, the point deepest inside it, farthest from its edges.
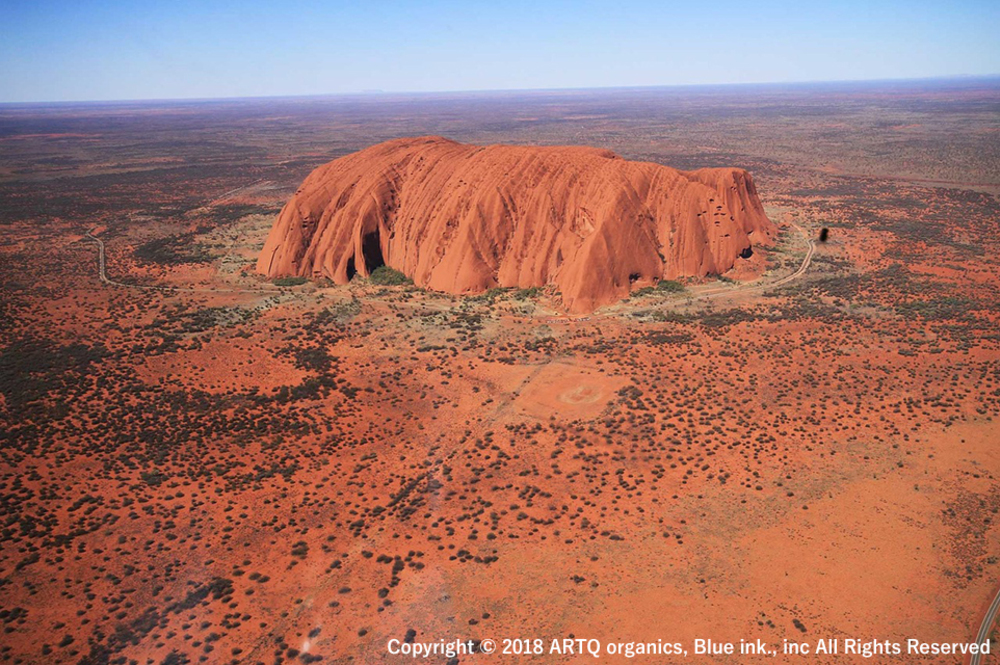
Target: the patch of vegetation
(660, 316)
(218, 588)
(528, 293)
(289, 281)
(154, 478)
(386, 276)
(669, 286)
(339, 313)
(662, 337)
(213, 317)
(491, 295)
(173, 250)
(31, 368)
(944, 308)
(315, 359)
(232, 212)
(726, 318)
(663, 286)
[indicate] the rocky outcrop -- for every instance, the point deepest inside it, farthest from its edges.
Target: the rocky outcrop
(464, 218)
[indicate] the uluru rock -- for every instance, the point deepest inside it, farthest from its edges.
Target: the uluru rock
(465, 218)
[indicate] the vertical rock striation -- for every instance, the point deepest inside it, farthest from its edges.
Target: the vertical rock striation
(463, 218)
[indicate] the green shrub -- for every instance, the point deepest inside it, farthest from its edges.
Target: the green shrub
(386, 276)
(663, 286)
(669, 286)
(289, 281)
(490, 295)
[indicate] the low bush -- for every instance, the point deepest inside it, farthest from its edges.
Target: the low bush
(386, 276)
(289, 281)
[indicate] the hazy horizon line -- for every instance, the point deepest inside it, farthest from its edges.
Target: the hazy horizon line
(486, 91)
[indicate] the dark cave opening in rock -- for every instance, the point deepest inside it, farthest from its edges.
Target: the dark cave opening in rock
(371, 251)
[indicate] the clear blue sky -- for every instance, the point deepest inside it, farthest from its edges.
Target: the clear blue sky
(54, 50)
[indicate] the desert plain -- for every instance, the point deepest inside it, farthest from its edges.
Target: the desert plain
(201, 464)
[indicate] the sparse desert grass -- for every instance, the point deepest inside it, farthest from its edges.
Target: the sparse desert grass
(289, 281)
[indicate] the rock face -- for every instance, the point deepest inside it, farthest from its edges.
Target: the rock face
(464, 218)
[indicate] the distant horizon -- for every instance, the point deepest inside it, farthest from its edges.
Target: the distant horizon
(147, 50)
(995, 77)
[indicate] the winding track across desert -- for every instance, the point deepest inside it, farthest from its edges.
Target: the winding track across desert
(984, 629)
(750, 288)
(102, 274)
